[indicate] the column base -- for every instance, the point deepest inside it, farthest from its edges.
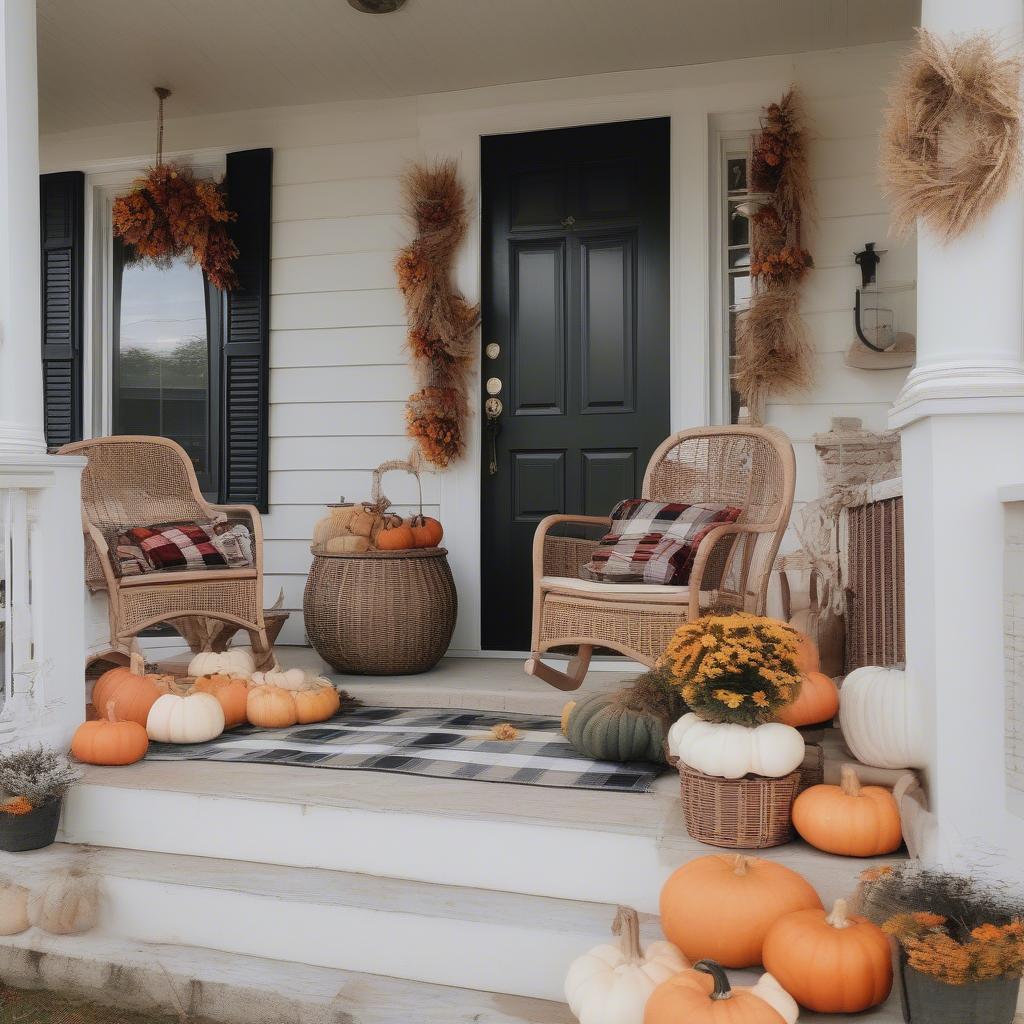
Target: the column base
(19, 440)
(959, 388)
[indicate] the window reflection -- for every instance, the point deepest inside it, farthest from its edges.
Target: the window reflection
(162, 361)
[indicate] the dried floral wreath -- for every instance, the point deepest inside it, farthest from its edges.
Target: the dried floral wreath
(772, 351)
(170, 212)
(952, 138)
(442, 323)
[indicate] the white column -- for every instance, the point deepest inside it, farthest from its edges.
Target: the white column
(21, 390)
(961, 413)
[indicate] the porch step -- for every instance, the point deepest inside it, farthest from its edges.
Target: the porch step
(572, 845)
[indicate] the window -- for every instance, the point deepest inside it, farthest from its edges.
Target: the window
(736, 251)
(166, 333)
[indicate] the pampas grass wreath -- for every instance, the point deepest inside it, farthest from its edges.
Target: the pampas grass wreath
(952, 137)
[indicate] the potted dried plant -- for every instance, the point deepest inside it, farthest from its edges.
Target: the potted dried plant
(958, 943)
(33, 781)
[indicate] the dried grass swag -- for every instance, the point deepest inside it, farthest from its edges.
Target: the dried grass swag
(951, 144)
(772, 351)
(441, 323)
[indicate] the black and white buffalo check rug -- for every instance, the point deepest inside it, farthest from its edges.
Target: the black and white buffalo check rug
(445, 744)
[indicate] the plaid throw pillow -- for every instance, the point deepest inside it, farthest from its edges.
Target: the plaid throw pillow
(654, 541)
(144, 549)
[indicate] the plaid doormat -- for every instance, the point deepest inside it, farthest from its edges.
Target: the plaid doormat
(424, 741)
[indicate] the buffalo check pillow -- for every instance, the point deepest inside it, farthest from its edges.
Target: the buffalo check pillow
(186, 545)
(654, 541)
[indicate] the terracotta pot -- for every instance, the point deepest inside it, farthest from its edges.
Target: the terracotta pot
(30, 831)
(926, 1000)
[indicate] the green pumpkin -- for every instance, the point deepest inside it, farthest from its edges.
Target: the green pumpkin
(629, 725)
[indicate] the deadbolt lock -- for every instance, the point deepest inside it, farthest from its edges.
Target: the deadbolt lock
(493, 350)
(493, 386)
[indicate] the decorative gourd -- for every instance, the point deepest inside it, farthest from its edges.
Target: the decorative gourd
(192, 719)
(732, 751)
(271, 707)
(395, 537)
(233, 662)
(612, 983)
(884, 718)
(108, 741)
(603, 727)
(426, 532)
(290, 679)
(13, 908)
(817, 701)
(232, 692)
(721, 906)
(316, 704)
(849, 819)
(704, 996)
(67, 904)
(834, 963)
(131, 690)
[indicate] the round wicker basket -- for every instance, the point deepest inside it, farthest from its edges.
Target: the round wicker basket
(381, 612)
(751, 813)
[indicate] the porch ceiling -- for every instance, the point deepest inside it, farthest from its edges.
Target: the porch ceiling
(98, 61)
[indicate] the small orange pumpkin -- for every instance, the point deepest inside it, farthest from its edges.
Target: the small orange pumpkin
(233, 694)
(721, 906)
(316, 704)
(110, 742)
(132, 691)
(426, 532)
(830, 963)
(818, 701)
(395, 537)
(849, 819)
(271, 707)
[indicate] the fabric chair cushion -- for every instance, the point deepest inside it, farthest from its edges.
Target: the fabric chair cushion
(182, 546)
(654, 542)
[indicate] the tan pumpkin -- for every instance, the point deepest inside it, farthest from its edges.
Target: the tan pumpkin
(231, 691)
(817, 701)
(830, 963)
(849, 819)
(13, 908)
(68, 903)
(110, 742)
(270, 707)
(131, 691)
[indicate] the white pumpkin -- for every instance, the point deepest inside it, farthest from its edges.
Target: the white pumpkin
(13, 908)
(611, 983)
(233, 662)
(193, 719)
(884, 718)
(289, 679)
(68, 903)
(732, 751)
(769, 990)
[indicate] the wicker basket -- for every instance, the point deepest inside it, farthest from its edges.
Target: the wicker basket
(743, 814)
(812, 771)
(381, 612)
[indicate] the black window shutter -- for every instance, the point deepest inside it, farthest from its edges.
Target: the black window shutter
(246, 351)
(62, 241)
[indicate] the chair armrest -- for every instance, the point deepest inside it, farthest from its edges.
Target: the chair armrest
(94, 536)
(255, 527)
(545, 525)
(706, 548)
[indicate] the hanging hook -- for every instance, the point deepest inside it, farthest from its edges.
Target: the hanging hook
(162, 93)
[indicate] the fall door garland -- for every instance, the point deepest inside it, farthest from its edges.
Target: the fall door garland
(442, 324)
(169, 212)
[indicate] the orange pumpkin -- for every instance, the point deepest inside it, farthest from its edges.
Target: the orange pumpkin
(108, 741)
(807, 659)
(721, 906)
(395, 537)
(834, 963)
(232, 692)
(818, 701)
(426, 532)
(271, 707)
(849, 819)
(703, 995)
(132, 692)
(316, 704)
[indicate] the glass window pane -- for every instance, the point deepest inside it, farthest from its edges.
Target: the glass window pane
(163, 363)
(736, 174)
(739, 227)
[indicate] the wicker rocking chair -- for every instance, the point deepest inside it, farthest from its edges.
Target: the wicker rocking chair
(140, 481)
(749, 467)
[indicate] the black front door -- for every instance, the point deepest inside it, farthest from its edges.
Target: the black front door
(576, 281)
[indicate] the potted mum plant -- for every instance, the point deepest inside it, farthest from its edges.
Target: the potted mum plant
(33, 782)
(958, 943)
(740, 768)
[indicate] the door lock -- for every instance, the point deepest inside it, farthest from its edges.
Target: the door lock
(493, 386)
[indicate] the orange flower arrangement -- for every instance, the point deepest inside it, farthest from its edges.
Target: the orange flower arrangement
(170, 212)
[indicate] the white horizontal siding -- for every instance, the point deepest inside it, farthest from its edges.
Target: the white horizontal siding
(336, 419)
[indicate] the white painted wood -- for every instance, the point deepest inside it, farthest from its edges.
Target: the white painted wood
(337, 419)
(386, 158)
(351, 198)
(305, 487)
(377, 306)
(334, 273)
(321, 453)
(340, 384)
(339, 234)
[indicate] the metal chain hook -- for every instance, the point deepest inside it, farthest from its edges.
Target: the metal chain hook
(162, 93)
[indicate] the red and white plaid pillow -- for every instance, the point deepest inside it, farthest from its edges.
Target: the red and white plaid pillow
(144, 549)
(654, 541)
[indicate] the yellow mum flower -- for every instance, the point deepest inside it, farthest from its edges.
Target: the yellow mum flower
(760, 698)
(729, 698)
